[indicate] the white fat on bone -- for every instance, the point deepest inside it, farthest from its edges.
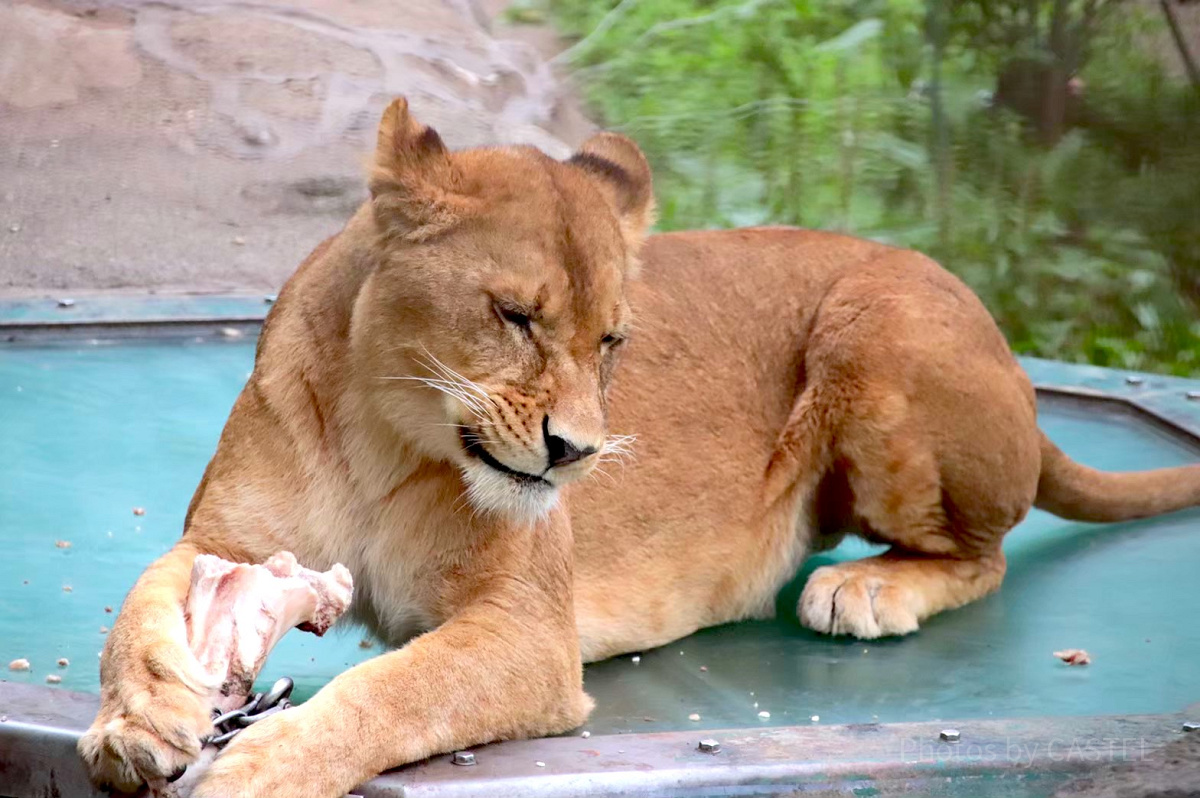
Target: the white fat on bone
(236, 613)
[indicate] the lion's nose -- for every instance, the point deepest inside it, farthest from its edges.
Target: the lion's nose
(562, 451)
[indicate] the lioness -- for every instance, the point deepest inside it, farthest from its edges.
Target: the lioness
(436, 380)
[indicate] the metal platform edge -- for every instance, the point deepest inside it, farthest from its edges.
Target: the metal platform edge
(39, 728)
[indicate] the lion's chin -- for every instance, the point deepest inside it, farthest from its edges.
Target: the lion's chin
(490, 491)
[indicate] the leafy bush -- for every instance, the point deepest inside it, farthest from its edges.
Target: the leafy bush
(868, 117)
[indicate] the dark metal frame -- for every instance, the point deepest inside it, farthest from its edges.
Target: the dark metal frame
(39, 726)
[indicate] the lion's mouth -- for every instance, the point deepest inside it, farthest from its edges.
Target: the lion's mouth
(473, 445)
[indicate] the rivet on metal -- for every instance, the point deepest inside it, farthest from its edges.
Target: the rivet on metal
(1134, 379)
(1191, 727)
(66, 303)
(950, 735)
(709, 746)
(1193, 395)
(463, 758)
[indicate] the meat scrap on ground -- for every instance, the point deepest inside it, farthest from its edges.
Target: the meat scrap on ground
(1074, 656)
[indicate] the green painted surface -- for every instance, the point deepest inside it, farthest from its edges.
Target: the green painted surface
(90, 432)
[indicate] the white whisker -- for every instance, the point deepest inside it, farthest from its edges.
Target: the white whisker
(618, 448)
(444, 371)
(472, 403)
(598, 471)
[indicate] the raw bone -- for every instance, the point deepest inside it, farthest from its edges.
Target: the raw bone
(236, 613)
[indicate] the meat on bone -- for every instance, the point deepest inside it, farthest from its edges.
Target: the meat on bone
(236, 613)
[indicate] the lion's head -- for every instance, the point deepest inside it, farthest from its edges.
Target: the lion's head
(488, 330)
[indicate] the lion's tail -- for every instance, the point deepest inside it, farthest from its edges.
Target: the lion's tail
(1074, 491)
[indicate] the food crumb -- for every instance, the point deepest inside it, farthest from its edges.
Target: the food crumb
(21, 664)
(139, 510)
(103, 630)
(63, 662)
(816, 718)
(108, 609)
(635, 659)
(764, 714)
(63, 544)
(1074, 656)
(693, 717)
(704, 668)
(53, 679)
(586, 735)
(67, 588)
(239, 241)
(540, 764)
(365, 643)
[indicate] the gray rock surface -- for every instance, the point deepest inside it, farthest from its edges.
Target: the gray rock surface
(209, 146)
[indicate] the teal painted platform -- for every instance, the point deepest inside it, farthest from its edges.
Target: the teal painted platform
(90, 431)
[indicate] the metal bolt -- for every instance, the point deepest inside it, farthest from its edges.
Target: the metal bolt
(1134, 379)
(709, 746)
(66, 303)
(463, 758)
(1191, 726)
(1193, 395)
(950, 735)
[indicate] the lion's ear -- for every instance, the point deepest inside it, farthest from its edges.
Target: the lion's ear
(622, 172)
(414, 186)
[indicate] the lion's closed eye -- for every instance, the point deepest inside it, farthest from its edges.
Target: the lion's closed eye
(514, 315)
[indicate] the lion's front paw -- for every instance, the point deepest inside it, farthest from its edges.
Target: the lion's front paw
(148, 730)
(145, 744)
(848, 600)
(288, 755)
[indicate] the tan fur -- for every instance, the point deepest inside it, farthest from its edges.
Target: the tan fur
(784, 386)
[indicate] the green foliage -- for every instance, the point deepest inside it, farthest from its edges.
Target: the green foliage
(820, 114)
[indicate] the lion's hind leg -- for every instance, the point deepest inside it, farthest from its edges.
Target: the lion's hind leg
(943, 554)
